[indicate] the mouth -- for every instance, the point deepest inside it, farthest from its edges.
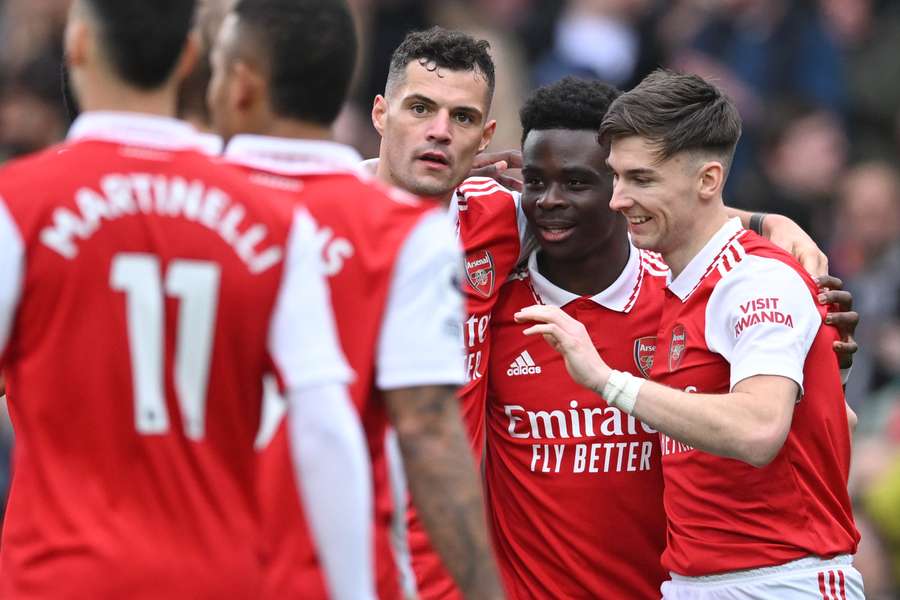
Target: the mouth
(555, 232)
(638, 221)
(434, 160)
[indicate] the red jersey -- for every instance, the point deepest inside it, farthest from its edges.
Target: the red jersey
(391, 262)
(490, 226)
(574, 486)
(741, 308)
(140, 282)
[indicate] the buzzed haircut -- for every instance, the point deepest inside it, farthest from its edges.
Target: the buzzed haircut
(311, 47)
(570, 103)
(676, 113)
(439, 48)
(143, 39)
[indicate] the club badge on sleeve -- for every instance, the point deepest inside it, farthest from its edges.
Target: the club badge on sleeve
(480, 272)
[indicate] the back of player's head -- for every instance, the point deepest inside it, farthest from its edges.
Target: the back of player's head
(310, 48)
(570, 103)
(439, 48)
(142, 39)
(676, 113)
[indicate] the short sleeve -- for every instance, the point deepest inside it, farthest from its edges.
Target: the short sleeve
(11, 271)
(762, 319)
(303, 339)
(420, 342)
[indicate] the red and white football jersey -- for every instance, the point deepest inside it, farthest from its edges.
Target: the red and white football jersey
(574, 486)
(393, 266)
(144, 293)
(743, 307)
(491, 226)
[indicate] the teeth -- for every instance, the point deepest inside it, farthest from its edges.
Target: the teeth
(638, 220)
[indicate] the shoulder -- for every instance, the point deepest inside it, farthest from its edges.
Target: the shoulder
(38, 165)
(485, 191)
(751, 261)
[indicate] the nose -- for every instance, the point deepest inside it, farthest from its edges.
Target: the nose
(619, 200)
(552, 198)
(439, 128)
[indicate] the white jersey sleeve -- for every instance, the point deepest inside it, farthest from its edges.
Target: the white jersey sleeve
(303, 340)
(420, 342)
(762, 319)
(11, 268)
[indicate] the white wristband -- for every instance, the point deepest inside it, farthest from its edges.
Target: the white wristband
(621, 390)
(845, 374)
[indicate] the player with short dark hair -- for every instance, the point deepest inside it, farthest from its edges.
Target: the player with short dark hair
(755, 441)
(146, 292)
(391, 260)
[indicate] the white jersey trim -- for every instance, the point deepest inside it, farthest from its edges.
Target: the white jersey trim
(284, 156)
(699, 266)
(761, 317)
(420, 342)
(303, 339)
(136, 129)
(12, 266)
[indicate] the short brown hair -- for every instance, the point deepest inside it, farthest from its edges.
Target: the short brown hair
(676, 113)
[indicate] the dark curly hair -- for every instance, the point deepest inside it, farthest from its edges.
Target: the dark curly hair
(442, 48)
(311, 50)
(142, 39)
(570, 103)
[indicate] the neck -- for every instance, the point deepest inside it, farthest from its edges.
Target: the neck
(702, 229)
(297, 130)
(384, 175)
(104, 94)
(591, 274)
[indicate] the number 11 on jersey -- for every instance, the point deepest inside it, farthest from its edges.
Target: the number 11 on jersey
(196, 285)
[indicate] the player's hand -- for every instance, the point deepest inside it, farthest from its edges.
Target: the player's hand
(568, 337)
(496, 165)
(841, 315)
(788, 236)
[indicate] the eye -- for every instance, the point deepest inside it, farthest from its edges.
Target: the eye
(418, 109)
(533, 181)
(463, 118)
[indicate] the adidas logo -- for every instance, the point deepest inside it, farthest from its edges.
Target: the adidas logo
(523, 365)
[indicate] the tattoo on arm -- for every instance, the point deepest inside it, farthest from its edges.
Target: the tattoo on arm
(444, 484)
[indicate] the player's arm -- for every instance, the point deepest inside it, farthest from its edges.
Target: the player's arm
(11, 268)
(766, 362)
(420, 364)
(327, 442)
(787, 235)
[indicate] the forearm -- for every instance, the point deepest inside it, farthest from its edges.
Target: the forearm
(334, 477)
(444, 484)
(731, 425)
(743, 215)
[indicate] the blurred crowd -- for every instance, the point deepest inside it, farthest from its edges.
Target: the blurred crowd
(818, 86)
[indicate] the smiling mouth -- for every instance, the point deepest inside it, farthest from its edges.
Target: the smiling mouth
(638, 220)
(555, 233)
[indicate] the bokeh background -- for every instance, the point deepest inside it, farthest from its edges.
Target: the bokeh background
(818, 86)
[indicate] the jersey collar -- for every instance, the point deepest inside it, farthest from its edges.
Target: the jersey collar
(620, 296)
(284, 156)
(699, 266)
(136, 129)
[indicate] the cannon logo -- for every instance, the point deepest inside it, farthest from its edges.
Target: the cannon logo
(644, 349)
(480, 272)
(676, 348)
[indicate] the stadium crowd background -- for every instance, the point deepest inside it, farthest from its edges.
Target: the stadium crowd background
(818, 86)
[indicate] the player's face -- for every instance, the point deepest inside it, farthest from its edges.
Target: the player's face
(567, 192)
(658, 199)
(432, 125)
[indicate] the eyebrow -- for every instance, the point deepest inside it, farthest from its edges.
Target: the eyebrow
(633, 172)
(429, 102)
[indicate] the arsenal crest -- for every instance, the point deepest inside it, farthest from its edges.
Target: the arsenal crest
(480, 272)
(676, 347)
(644, 349)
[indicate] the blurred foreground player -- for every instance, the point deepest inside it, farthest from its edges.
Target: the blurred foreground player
(393, 265)
(755, 440)
(134, 462)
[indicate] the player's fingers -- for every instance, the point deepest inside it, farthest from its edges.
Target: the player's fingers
(845, 322)
(512, 158)
(848, 347)
(541, 313)
(511, 183)
(842, 298)
(541, 329)
(829, 282)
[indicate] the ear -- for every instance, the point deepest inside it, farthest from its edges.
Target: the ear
(77, 43)
(190, 54)
(379, 113)
(487, 135)
(711, 180)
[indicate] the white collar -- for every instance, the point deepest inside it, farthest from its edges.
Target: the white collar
(285, 156)
(620, 296)
(210, 143)
(699, 266)
(135, 129)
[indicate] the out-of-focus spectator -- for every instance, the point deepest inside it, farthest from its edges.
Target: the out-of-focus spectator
(867, 254)
(802, 154)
